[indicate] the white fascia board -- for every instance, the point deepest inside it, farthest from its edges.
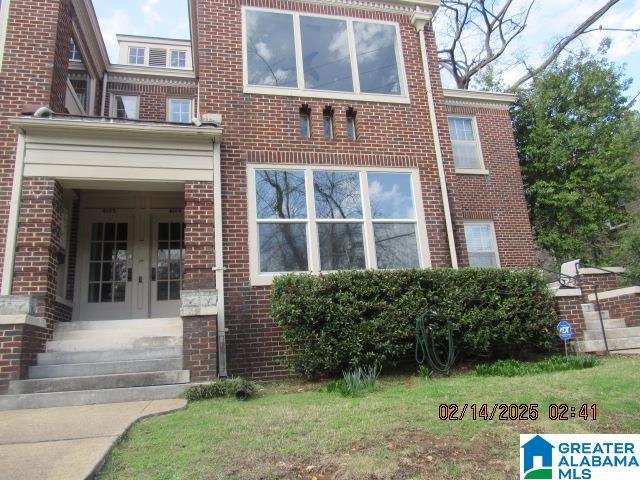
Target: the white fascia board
(598, 271)
(432, 5)
(168, 73)
(88, 23)
(478, 96)
(26, 124)
(153, 40)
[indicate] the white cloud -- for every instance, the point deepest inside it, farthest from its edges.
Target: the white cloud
(150, 10)
(118, 22)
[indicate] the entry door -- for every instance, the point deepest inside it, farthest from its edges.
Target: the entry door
(167, 265)
(106, 267)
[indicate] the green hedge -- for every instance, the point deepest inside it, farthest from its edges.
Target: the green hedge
(349, 319)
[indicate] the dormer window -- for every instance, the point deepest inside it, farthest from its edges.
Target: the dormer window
(178, 59)
(305, 121)
(290, 53)
(180, 110)
(137, 56)
(74, 53)
(327, 121)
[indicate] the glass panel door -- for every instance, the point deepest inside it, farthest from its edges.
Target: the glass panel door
(167, 264)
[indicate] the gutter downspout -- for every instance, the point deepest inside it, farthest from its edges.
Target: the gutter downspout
(14, 213)
(419, 21)
(219, 257)
(103, 106)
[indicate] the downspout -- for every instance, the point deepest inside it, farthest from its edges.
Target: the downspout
(103, 106)
(419, 21)
(219, 258)
(14, 214)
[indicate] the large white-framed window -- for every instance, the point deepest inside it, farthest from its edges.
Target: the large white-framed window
(178, 59)
(482, 245)
(137, 55)
(316, 219)
(125, 106)
(179, 110)
(300, 54)
(467, 153)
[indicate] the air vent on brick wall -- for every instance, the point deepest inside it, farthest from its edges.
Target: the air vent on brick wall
(157, 57)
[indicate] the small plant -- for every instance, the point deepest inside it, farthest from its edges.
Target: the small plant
(236, 387)
(425, 372)
(516, 368)
(356, 382)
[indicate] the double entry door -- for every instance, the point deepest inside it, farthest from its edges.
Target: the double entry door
(131, 265)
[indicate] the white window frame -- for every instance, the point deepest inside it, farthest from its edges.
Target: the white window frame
(494, 238)
(481, 170)
(171, 52)
(76, 50)
(191, 108)
(301, 91)
(144, 59)
(311, 221)
(114, 108)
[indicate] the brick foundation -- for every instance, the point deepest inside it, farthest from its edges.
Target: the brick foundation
(19, 347)
(570, 309)
(604, 282)
(200, 347)
(624, 306)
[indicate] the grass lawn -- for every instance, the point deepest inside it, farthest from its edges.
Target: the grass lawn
(297, 431)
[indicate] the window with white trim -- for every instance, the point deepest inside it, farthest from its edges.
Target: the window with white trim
(290, 50)
(481, 244)
(74, 53)
(307, 219)
(126, 106)
(178, 59)
(180, 110)
(137, 55)
(466, 148)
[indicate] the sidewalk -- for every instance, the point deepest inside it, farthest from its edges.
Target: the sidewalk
(67, 442)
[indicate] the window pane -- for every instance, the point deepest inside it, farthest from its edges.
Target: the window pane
(391, 195)
(465, 155)
(461, 128)
(325, 54)
(396, 245)
(283, 247)
(482, 260)
(337, 194)
(377, 59)
(341, 246)
(180, 110)
(178, 59)
(480, 245)
(126, 106)
(271, 58)
(280, 194)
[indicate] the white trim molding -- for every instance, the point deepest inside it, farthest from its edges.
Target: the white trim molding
(598, 271)
(4, 25)
(23, 319)
(474, 98)
(620, 292)
(568, 292)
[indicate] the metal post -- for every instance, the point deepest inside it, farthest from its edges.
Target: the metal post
(604, 334)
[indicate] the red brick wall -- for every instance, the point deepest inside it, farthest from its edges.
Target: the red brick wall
(604, 282)
(626, 307)
(153, 98)
(200, 347)
(199, 257)
(498, 196)
(570, 309)
(19, 346)
(27, 77)
(61, 57)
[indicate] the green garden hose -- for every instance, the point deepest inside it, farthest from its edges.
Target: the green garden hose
(425, 343)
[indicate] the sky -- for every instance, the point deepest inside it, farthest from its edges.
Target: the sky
(549, 20)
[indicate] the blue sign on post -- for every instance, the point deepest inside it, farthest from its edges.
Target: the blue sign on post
(564, 330)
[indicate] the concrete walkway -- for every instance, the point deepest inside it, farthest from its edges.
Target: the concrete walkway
(68, 442)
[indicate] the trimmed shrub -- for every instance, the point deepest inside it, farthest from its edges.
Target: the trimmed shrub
(337, 322)
(515, 368)
(235, 387)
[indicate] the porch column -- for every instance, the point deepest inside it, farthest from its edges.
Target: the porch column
(199, 296)
(29, 314)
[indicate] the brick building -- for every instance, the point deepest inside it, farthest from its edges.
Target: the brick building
(145, 206)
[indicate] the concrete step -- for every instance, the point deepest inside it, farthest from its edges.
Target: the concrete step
(612, 333)
(98, 382)
(112, 342)
(593, 316)
(609, 323)
(89, 335)
(104, 368)
(120, 324)
(628, 343)
(61, 358)
(91, 397)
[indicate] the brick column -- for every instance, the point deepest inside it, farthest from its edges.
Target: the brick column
(199, 298)
(604, 282)
(569, 308)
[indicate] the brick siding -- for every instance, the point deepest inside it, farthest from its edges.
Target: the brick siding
(626, 307)
(200, 347)
(153, 98)
(604, 282)
(19, 346)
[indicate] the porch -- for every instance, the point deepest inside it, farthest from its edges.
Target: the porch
(111, 251)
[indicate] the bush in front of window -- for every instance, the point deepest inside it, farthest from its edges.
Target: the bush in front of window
(347, 320)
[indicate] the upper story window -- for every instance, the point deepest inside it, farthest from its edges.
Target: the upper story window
(305, 121)
(74, 53)
(307, 219)
(137, 55)
(352, 133)
(179, 110)
(481, 244)
(178, 59)
(331, 57)
(466, 148)
(126, 106)
(327, 122)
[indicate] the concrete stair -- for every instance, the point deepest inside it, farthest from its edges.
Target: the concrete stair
(619, 335)
(104, 362)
